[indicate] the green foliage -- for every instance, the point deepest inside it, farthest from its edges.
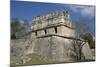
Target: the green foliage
(18, 28)
(89, 38)
(83, 32)
(92, 44)
(37, 59)
(13, 36)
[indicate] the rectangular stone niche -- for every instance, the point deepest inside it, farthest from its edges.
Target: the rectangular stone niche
(40, 33)
(50, 31)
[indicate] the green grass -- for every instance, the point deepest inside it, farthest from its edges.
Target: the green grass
(37, 59)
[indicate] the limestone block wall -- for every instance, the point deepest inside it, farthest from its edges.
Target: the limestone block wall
(51, 47)
(55, 48)
(65, 31)
(50, 19)
(26, 44)
(58, 48)
(57, 30)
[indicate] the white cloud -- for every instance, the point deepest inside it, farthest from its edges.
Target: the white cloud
(83, 10)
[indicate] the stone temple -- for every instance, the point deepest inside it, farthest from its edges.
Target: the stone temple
(52, 37)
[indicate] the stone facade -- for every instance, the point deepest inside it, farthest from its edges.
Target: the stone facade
(54, 37)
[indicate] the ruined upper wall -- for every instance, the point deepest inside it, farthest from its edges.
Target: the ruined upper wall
(56, 23)
(61, 17)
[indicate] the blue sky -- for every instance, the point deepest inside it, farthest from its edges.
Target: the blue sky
(78, 13)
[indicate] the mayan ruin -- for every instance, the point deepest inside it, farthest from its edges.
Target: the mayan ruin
(52, 36)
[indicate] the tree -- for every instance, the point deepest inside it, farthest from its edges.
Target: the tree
(81, 27)
(77, 45)
(83, 32)
(19, 28)
(89, 38)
